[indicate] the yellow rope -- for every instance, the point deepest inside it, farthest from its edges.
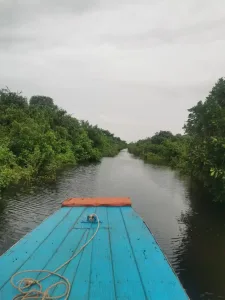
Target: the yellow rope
(24, 285)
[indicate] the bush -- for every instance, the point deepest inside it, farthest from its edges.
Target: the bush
(38, 138)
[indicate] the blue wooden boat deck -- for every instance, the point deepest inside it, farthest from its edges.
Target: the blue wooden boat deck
(122, 262)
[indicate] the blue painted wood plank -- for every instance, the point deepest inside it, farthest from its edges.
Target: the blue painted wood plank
(69, 271)
(11, 261)
(47, 249)
(78, 270)
(80, 281)
(157, 276)
(72, 243)
(102, 277)
(127, 278)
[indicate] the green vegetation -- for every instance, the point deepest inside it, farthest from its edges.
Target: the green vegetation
(37, 138)
(201, 151)
(163, 148)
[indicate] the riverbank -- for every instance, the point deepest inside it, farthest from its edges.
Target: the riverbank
(200, 151)
(37, 138)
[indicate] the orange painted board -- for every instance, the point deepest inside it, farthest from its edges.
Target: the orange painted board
(98, 201)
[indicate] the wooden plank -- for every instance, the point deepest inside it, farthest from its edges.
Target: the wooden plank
(70, 272)
(127, 278)
(102, 277)
(72, 243)
(11, 261)
(47, 249)
(159, 280)
(79, 274)
(97, 201)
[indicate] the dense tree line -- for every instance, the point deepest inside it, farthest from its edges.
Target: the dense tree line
(37, 138)
(162, 148)
(200, 152)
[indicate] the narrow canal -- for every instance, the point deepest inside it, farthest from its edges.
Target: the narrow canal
(189, 229)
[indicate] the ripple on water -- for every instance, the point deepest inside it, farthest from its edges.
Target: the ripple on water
(190, 233)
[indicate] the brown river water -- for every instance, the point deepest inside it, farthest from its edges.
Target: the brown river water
(189, 229)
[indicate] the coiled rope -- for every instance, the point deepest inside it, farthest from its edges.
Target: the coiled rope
(24, 286)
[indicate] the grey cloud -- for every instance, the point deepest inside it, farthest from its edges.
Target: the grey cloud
(158, 36)
(9, 39)
(133, 67)
(13, 10)
(16, 13)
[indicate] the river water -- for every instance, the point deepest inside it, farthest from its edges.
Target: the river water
(189, 229)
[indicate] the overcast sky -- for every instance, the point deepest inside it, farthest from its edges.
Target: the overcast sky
(132, 67)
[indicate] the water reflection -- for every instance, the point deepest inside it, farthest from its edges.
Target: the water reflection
(201, 256)
(189, 229)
